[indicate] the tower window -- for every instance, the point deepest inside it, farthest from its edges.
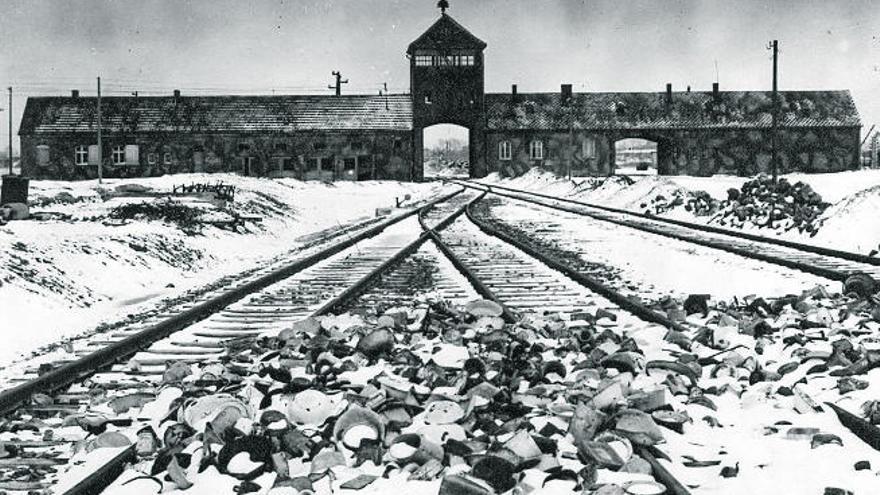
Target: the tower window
(459, 58)
(536, 150)
(504, 150)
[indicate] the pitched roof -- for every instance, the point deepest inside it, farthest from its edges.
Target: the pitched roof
(444, 34)
(218, 114)
(733, 109)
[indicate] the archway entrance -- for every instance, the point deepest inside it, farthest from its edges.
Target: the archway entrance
(446, 151)
(635, 156)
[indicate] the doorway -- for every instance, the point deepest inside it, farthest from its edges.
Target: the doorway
(446, 152)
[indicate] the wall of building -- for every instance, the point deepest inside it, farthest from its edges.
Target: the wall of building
(563, 152)
(748, 152)
(376, 154)
(744, 152)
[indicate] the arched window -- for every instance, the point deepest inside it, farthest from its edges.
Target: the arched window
(536, 150)
(81, 155)
(504, 150)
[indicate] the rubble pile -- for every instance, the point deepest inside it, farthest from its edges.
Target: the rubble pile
(780, 206)
(758, 203)
(457, 400)
(700, 203)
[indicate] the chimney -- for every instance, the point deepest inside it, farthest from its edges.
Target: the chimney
(513, 93)
(74, 93)
(176, 94)
(566, 91)
(715, 94)
(669, 94)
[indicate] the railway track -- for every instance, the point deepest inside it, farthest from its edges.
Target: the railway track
(130, 362)
(397, 262)
(828, 263)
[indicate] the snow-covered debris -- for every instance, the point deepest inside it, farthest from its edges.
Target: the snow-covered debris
(552, 402)
(765, 204)
(94, 252)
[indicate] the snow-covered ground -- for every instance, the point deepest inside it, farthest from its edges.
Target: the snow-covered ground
(62, 277)
(849, 224)
(686, 268)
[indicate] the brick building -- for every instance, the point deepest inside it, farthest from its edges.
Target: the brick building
(381, 137)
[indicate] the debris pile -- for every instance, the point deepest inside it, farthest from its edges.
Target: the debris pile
(781, 206)
(758, 203)
(464, 401)
(700, 203)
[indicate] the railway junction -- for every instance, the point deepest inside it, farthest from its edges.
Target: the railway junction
(597, 293)
(476, 342)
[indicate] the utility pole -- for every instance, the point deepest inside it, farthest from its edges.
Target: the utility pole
(100, 149)
(774, 45)
(339, 82)
(9, 110)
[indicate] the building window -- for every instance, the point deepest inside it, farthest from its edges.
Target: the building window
(318, 146)
(167, 158)
(152, 158)
(280, 146)
(589, 148)
(118, 155)
(243, 147)
(427, 98)
(398, 143)
(42, 155)
(536, 150)
(81, 155)
(313, 165)
(356, 145)
(460, 58)
(132, 154)
(287, 164)
(504, 150)
(349, 164)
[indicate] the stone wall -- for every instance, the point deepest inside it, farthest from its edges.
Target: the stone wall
(744, 152)
(563, 151)
(376, 155)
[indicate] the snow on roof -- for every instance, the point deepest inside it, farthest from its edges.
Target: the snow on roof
(692, 110)
(218, 114)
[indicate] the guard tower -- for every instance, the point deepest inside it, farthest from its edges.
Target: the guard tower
(446, 81)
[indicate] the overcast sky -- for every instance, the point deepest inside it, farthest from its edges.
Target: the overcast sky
(291, 46)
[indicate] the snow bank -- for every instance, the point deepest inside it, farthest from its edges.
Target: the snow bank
(62, 277)
(850, 224)
(853, 222)
(617, 191)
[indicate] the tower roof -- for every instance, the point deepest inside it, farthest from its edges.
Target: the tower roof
(444, 34)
